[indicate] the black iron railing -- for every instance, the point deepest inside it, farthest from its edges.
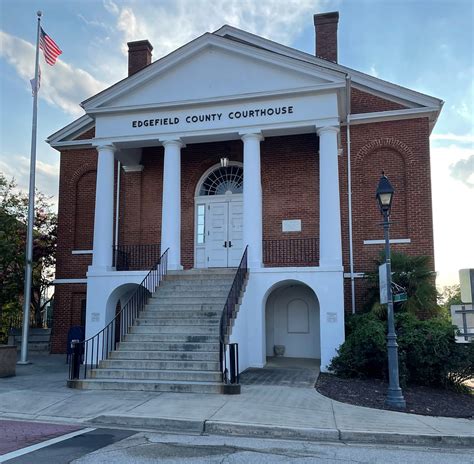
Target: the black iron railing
(136, 257)
(291, 252)
(97, 348)
(228, 313)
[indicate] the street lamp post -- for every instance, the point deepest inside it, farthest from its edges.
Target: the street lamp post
(395, 397)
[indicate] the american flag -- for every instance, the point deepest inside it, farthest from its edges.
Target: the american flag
(50, 49)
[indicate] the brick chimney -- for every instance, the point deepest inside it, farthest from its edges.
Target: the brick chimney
(326, 35)
(139, 55)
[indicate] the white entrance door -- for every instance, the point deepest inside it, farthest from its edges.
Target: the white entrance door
(224, 238)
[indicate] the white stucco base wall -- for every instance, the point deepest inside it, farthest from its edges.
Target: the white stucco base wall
(104, 290)
(249, 328)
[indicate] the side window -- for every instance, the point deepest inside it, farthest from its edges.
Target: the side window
(201, 212)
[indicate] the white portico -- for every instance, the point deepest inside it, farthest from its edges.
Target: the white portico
(258, 95)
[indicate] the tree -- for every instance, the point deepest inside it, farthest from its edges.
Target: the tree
(13, 227)
(413, 273)
(450, 295)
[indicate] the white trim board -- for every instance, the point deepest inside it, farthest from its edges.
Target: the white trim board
(357, 275)
(69, 281)
(82, 252)
(392, 240)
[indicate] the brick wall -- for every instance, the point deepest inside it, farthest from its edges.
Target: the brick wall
(401, 149)
(75, 228)
(67, 313)
(363, 102)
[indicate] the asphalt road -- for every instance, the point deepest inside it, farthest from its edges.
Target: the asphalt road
(103, 446)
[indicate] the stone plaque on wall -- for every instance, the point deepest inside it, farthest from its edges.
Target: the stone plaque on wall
(291, 225)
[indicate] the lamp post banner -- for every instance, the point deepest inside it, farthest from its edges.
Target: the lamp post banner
(383, 283)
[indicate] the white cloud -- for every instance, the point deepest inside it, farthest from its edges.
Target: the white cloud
(62, 85)
(452, 216)
(373, 71)
(463, 170)
(467, 138)
(463, 110)
(111, 7)
(94, 23)
(169, 25)
(18, 167)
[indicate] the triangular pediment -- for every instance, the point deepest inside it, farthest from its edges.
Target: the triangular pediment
(210, 68)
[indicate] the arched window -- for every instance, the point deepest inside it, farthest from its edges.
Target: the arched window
(223, 180)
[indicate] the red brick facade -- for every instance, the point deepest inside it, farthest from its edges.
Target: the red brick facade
(290, 182)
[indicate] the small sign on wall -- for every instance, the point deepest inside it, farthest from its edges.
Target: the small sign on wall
(95, 317)
(291, 225)
(331, 317)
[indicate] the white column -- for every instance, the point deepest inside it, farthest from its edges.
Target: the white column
(171, 206)
(104, 209)
(330, 250)
(253, 199)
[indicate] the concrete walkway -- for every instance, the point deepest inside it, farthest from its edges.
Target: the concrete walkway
(39, 393)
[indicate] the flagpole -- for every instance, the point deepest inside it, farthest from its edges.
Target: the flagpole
(31, 213)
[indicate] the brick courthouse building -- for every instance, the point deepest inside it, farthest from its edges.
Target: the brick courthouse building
(295, 130)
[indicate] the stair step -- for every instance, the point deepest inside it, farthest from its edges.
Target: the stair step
(171, 338)
(37, 347)
(191, 293)
(150, 374)
(222, 278)
(150, 385)
(179, 329)
(165, 346)
(160, 306)
(181, 313)
(197, 284)
(31, 331)
(159, 365)
(165, 355)
(182, 321)
(204, 272)
(187, 299)
(36, 338)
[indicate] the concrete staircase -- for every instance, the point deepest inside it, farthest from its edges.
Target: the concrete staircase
(39, 340)
(173, 346)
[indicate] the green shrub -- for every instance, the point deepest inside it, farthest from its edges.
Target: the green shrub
(426, 348)
(428, 353)
(461, 365)
(363, 354)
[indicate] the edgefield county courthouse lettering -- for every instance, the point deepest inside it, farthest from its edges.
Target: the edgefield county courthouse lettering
(169, 121)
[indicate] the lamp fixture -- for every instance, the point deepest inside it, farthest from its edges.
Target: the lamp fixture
(384, 195)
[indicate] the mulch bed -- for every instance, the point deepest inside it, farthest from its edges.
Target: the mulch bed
(420, 400)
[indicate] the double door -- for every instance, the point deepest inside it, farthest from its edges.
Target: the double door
(224, 245)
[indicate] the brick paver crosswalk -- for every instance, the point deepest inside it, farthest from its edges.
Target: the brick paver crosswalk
(15, 435)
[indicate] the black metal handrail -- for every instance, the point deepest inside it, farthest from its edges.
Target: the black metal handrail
(291, 252)
(98, 347)
(136, 257)
(228, 311)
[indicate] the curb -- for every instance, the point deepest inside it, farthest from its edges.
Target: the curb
(211, 427)
(270, 431)
(155, 423)
(393, 438)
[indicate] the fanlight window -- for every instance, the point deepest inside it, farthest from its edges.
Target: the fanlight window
(223, 180)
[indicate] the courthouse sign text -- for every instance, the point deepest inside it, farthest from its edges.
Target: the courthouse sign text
(167, 120)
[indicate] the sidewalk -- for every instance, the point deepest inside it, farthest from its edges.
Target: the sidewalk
(39, 393)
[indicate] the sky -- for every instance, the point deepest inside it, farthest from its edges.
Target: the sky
(425, 45)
